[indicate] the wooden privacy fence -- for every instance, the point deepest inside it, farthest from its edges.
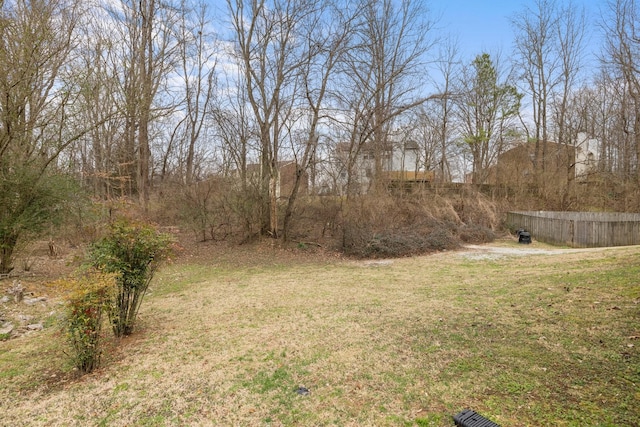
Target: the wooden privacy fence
(578, 229)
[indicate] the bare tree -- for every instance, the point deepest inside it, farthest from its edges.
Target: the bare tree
(197, 73)
(147, 43)
(622, 55)
(396, 48)
(328, 35)
(237, 133)
(426, 130)
(97, 76)
(536, 55)
(37, 40)
(571, 38)
(383, 77)
(269, 47)
(448, 65)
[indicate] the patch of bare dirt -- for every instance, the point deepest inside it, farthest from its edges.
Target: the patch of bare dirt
(28, 304)
(503, 249)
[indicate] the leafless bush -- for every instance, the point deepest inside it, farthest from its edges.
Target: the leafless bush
(476, 209)
(206, 208)
(406, 241)
(476, 234)
(244, 211)
(325, 213)
(367, 226)
(391, 227)
(387, 226)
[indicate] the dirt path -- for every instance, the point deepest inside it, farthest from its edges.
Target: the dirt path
(494, 251)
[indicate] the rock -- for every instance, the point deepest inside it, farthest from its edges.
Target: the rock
(4, 299)
(302, 391)
(17, 290)
(31, 301)
(35, 327)
(6, 329)
(24, 317)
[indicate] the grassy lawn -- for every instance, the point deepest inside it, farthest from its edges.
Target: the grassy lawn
(524, 339)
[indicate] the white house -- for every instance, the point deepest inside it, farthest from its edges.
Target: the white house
(587, 155)
(399, 161)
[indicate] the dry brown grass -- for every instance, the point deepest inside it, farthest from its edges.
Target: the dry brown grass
(528, 339)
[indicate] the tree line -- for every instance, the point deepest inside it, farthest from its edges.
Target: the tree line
(128, 98)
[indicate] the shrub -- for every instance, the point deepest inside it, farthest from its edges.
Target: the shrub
(132, 250)
(442, 238)
(395, 243)
(474, 208)
(216, 208)
(385, 226)
(476, 234)
(31, 202)
(90, 295)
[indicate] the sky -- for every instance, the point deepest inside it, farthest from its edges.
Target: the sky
(484, 25)
(481, 25)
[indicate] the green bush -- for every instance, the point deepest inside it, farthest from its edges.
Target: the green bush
(91, 294)
(132, 250)
(30, 204)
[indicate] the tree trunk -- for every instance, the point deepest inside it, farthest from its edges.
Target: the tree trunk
(144, 157)
(274, 178)
(288, 213)
(7, 246)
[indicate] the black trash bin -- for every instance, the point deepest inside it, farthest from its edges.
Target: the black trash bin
(524, 237)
